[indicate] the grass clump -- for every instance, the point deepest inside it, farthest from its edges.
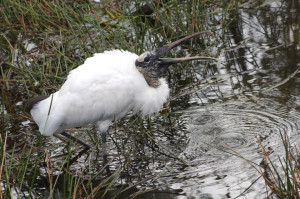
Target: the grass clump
(282, 175)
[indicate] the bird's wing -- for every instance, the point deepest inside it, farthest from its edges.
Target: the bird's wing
(93, 93)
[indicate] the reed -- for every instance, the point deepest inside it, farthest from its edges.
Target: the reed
(281, 173)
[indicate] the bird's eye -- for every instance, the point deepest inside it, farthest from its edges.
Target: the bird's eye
(147, 59)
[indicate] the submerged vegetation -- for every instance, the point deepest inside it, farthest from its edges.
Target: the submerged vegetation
(41, 41)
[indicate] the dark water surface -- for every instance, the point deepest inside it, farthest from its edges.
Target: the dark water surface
(253, 93)
(257, 96)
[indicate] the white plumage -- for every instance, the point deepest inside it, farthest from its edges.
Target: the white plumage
(106, 87)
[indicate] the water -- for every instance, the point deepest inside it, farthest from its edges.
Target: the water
(236, 126)
(251, 93)
(257, 98)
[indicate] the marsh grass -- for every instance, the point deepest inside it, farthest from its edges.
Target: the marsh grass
(281, 173)
(41, 41)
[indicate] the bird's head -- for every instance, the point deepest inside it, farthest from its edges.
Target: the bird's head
(150, 62)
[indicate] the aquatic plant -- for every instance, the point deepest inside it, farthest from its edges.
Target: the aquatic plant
(281, 174)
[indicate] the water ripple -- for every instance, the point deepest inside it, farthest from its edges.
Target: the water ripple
(236, 126)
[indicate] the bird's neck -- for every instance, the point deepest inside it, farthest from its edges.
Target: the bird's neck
(151, 77)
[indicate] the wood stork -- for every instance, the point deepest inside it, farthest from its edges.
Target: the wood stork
(105, 88)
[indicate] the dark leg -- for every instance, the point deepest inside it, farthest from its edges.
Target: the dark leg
(65, 134)
(105, 160)
(103, 137)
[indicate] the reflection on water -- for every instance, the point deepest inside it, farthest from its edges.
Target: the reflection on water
(236, 125)
(251, 92)
(263, 51)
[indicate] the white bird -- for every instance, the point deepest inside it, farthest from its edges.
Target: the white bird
(105, 88)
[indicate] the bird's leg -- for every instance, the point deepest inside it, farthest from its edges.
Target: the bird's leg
(103, 137)
(65, 134)
(105, 160)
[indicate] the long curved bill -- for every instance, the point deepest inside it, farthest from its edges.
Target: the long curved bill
(166, 48)
(169, 61)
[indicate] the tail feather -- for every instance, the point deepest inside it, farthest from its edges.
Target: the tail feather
(33, 101)
(40, 107)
